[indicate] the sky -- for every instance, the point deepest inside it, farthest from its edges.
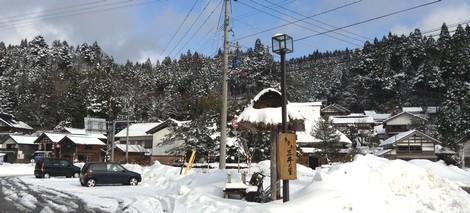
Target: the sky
(138, 30)
(368, 184)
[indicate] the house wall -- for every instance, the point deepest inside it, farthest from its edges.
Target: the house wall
(157, 139)
(404, 119)
(80, 152)
(466, 153)
(21, 153)
(133, 157)
(144, 141)
(415, 147)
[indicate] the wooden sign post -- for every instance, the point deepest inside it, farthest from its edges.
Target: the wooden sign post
(287, 157)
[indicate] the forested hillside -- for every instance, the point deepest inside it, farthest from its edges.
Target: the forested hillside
(44, 84)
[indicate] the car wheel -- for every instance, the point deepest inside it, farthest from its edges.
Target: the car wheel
(133, 181)
(46, 175)
(91, 182)
(76, 175)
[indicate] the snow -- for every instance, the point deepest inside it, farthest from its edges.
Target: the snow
(270, 115)
(137, 129)
(367, 184)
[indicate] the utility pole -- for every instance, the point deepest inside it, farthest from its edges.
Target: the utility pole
(223, 120)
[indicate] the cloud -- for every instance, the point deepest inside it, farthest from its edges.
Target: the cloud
(433, 19)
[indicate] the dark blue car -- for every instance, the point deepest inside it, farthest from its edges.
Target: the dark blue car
(107, 173)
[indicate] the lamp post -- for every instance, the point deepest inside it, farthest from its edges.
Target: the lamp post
(283, 44)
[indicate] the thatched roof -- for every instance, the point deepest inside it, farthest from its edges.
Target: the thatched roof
(265, 113)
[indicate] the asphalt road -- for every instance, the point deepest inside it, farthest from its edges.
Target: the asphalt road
(16, 196)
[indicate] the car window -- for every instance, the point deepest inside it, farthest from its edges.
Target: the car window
(54, 162)
(64, 163)
(99, 167)
(115, 168)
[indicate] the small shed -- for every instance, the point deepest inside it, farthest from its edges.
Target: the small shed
(136, 154)
(409, 145)
(83, 148)
(18, 148)
(465, 152)
(10, 124)
(47, 143)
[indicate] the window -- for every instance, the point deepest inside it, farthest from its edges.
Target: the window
(99, 167)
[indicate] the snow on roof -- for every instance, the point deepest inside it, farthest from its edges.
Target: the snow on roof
(165, 124)
(12, 122)
(55, 137)
(311, 113)
(397, 137)
(404, 113)
(137, 129)
(84, 140)
(353, 119)
(270, 115)
(131, 148)
(412, 109)
(377, 116)
(24, 139)
(77, 131)
(402, 135)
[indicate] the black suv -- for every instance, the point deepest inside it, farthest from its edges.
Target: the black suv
(47, 167)
(107, 173)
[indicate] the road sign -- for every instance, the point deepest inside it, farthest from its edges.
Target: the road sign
(235, 123)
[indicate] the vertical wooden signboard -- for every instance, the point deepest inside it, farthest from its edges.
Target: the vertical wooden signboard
(287, 157)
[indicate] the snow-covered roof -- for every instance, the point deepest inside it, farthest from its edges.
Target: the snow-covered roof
(84, 140)
(23, 139)
(76, 131)
(166, 123)
(11, 121)
(269, 115)
(55, 137)
(379, 117)
(402, 135)
(131, 148)
(405, 113)
(353, 119)
(311, 113)
(413, 109)
(137, 129)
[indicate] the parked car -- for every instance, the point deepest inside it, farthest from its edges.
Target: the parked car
(95, 173)
(47, 167)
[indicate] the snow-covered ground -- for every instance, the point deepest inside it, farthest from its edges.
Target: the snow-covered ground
(367, 184)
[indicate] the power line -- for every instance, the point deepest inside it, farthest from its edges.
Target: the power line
(182, 23)
(372, 19)
(202, 25)
(336, 8)
(304, 22)
(192, 25)
(79, 13)
(321, 22)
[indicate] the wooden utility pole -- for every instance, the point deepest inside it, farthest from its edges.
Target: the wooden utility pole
(223, 120)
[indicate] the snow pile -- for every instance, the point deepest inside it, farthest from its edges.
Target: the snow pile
(367, 184)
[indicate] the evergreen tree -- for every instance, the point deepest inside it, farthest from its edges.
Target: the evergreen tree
(329, 138)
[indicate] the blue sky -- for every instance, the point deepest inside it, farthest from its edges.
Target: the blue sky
(139, 29)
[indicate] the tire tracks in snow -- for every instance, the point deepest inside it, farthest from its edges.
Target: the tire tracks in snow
(18, 196)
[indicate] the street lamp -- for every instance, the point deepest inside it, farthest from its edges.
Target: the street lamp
(283, 44)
